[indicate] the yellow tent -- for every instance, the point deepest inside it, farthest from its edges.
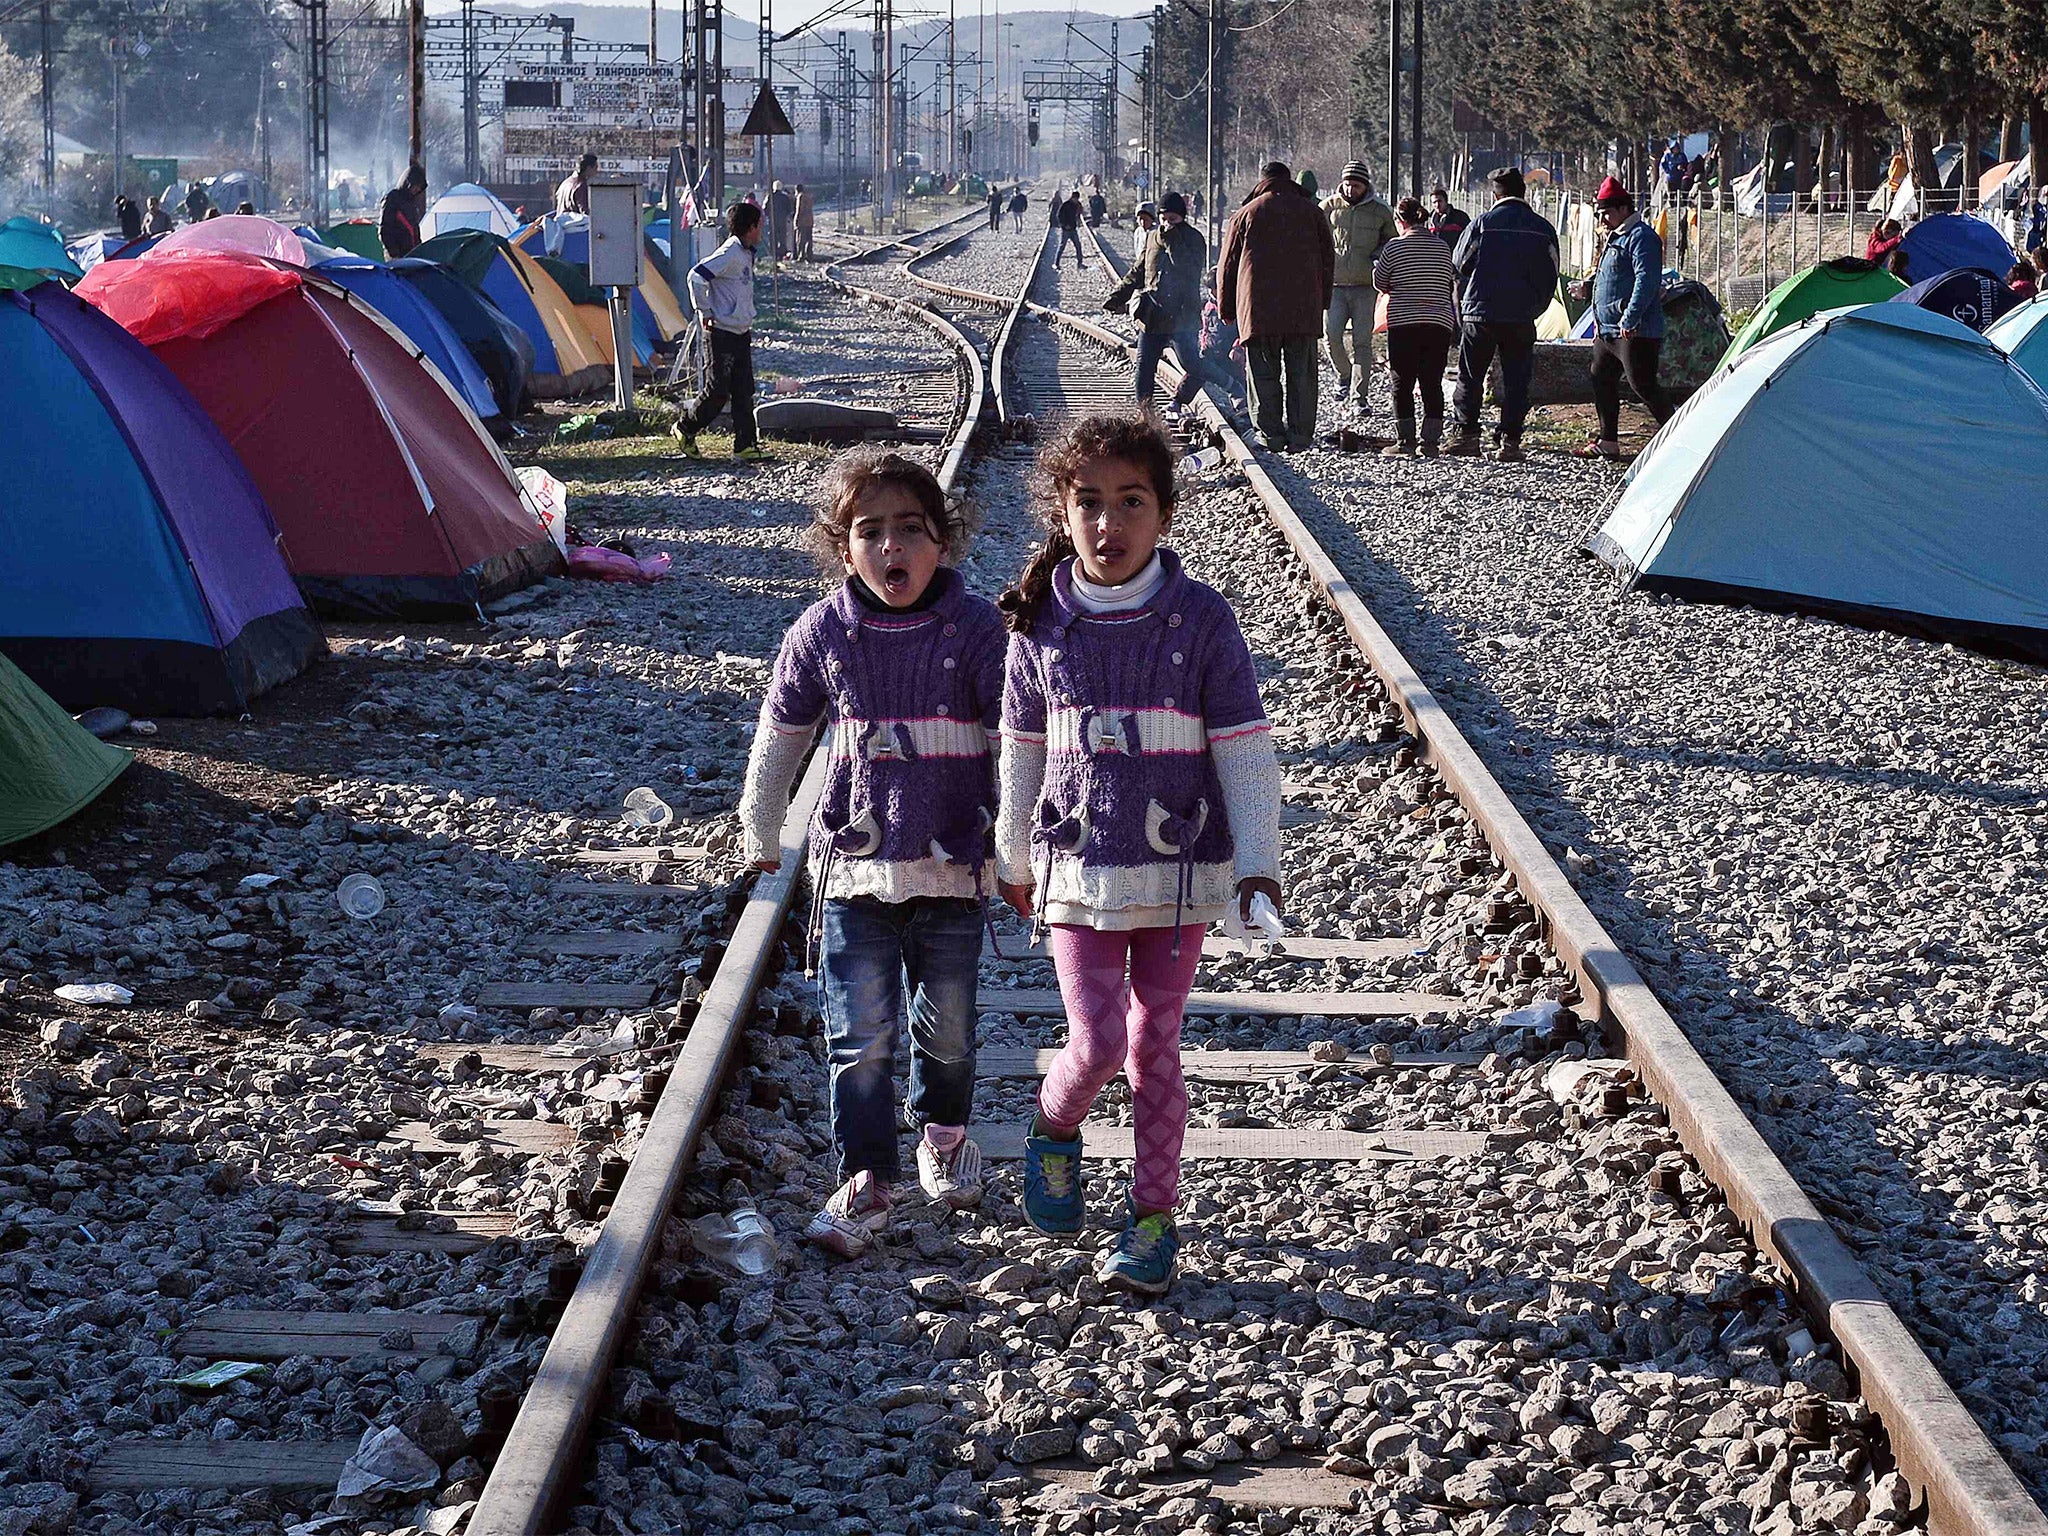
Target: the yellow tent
(661, 300)
(565, 328)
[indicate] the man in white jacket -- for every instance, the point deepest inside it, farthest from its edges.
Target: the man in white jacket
(722, 292)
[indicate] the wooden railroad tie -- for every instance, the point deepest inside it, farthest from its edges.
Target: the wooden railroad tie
(377, 1236)
(666, 855)
(566, 994)
(283, 1464)
(522, 1138)
(1226, 1066)
(623, 889)
(221, 1334)
(1283, 1483)
(1042, 1002)
(600, 944)
(1216, 947)
(1237, 1143)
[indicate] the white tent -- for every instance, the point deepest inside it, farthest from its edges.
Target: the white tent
(469, 206)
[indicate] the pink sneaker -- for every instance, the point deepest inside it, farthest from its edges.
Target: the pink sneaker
(849, 1222)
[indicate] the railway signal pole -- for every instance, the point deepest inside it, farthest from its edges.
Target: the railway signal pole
(416, 81)
(49, 113)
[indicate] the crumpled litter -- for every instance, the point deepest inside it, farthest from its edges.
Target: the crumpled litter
(598, 564)
(596, 1040)
(386, 1463)
(96, 994)
(218, 1375)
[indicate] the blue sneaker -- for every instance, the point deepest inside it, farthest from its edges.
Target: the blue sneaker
(1052, 1183)
(1143, 1259)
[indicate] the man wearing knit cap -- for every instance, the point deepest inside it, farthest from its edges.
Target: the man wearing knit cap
(1359, 225)
(1628, 317)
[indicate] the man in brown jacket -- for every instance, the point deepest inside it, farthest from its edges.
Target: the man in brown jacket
(1273, 280)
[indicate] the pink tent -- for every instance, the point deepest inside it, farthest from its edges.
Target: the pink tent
(249, 233)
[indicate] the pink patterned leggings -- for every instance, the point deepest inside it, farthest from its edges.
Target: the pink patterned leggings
(1132, 1021)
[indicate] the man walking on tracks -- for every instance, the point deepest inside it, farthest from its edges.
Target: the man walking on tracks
(995, 209)
(722, 291)
(806, 221)
(1167, 287)
(1507, 275)
(1360, 224)
(1070, 231)
(1273, 281)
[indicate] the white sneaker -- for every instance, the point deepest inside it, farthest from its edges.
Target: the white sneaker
(848, 1223)
(952, 1176)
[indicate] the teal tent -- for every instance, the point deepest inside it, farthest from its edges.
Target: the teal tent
(51, 767)
(34, 246)
(2023, 336)
(1862, 465)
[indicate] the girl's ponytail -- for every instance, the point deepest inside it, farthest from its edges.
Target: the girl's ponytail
(1020, 604)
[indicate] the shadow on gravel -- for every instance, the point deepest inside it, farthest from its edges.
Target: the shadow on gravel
(1902, 1226)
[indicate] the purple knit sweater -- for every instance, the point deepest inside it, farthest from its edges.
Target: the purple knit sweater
(909, 804)
(1131, 708)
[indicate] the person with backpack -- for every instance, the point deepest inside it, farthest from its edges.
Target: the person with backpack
(1166, 287)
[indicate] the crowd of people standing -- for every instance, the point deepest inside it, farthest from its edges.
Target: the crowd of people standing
(1292, 269)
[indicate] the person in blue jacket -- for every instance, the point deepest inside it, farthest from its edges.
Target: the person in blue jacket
(1628, 315)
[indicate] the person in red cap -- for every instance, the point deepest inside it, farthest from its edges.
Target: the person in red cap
(1628, 316)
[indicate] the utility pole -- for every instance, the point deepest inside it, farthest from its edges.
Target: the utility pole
(316, 109)
(1209, 197)
(1110, 140)
(890, 203)
(980, 66)
(472, 151)
(416, 82)
(952, 101)
(49, 116)
(653, 31)
(1415, 109)
(845, 94)
(1393, 101)
(878, 143)
(119, 47)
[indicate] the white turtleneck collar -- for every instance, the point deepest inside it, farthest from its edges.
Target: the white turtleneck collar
(1135, 593)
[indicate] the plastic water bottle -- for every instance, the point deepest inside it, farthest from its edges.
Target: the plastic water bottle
(361, 897)
(1202, 461)
(742, 1241)
(644, 808)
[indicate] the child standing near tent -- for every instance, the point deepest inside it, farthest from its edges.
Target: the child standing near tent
(905, 667)
(1140, 801)
(722, 292)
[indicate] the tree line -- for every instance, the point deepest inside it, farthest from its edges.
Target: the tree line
(1307, 79)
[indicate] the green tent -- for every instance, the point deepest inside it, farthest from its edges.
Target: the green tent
(357, 235)
(51, 767)
(1837, 284)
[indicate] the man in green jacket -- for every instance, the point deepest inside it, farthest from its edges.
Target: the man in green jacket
(1359, 225)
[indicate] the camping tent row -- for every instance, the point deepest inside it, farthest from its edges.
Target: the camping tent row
(1904, 433)
(249, 442)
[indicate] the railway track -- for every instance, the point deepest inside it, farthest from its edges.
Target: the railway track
(1475, 1242)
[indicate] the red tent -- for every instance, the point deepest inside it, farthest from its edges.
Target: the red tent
(391, 496)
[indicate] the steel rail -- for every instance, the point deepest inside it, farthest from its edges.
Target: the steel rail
(1943, 1451)
(541, 1462)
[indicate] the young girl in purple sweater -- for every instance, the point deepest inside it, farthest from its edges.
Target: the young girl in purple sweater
(904, 665)
(1140, 800)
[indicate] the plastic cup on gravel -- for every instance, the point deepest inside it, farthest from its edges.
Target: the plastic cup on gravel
(361, 897)
(644, 808)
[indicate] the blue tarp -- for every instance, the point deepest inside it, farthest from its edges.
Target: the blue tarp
(1859, 464)
(1950, 240)
(405, 307)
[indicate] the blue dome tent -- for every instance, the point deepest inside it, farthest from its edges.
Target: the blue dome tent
(1969, 296)
(1861, 465)
(405, 307)
(1950, 240)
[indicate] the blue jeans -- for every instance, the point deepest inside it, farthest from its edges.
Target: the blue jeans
(1187, 348)
(876, 953)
